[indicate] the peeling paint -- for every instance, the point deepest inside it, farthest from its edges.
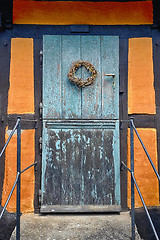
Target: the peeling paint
(83, 153)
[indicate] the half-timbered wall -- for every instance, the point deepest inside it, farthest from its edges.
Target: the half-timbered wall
(21, 85)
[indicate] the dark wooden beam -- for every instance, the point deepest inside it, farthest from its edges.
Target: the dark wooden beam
(6, 8)
(28, 121)
(156, 11)
(4, 86)
(144, 120)
(156, 54)
(123, 101)
(38, 131)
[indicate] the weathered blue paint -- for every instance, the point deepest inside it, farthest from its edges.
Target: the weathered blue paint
(91, 96)
(80, 157)
(52, 73)
(116, 156)
(71, 96)
(79, 165)
(110, 85)
(64, 100)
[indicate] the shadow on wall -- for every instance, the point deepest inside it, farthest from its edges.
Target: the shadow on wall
(7, 224)
(143, 225)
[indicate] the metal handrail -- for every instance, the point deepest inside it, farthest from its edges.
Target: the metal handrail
(155, 170)
(18, 177)
(142, 200)
(10, 136)
(10, 194)
(145, 207)
(14, 185)
(133, 180)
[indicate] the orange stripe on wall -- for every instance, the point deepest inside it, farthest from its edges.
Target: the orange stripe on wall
(21, 91)
(144, 174)
(141, 94)
(94, 13)
(27, 179)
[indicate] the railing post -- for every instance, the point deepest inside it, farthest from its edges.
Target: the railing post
(19, 179)
(132, 180)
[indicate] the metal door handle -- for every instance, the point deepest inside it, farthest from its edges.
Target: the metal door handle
(110, 75)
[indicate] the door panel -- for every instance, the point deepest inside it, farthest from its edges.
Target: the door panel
(63, 100)
(80, 154)
(79, 164)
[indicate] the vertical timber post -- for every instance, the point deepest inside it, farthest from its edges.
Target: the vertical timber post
(19, 179)
(132, 181)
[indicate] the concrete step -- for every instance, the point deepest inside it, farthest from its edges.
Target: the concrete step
(76, 227)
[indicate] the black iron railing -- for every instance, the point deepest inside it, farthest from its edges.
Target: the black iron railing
(134, 182)
(18, 177)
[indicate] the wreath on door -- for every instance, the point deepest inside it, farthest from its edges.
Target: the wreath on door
(79, 81)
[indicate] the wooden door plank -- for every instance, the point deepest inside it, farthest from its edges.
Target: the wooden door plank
(61, 167)
(116, 157)
(110, 84)
(71, 94)
(71, 166)
(91, 170)
(98, 167)
(51, 167)
(52, 107)
(91, 95)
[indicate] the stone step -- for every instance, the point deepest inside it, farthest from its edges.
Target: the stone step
(76, 227)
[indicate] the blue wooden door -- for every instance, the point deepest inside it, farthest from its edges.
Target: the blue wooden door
(80, 152)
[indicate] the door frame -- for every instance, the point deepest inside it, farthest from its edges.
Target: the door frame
(123, 114)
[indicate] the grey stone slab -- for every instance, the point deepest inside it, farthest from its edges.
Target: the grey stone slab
(76, 227)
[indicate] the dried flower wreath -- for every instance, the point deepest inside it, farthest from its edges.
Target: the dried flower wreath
(79, 81)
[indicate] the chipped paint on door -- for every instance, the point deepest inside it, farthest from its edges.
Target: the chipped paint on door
(80, 157)
(61, 99)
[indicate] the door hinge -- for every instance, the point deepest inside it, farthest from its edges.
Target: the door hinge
(2, 119)
(121, 125)
(40, 109)
(40, 146)
(41, 58)
(39, 196)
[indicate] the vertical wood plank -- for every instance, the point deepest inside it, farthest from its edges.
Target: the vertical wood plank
(51, 167)
(108, 166)
(5, 47)
(91, 95)
(123, 115)
(98, 167)
(52, 77)
(38, 45)
(91, 165)
(71, 166)
(110, 85)
(71, 94)
(61, 167)
(116, 157)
